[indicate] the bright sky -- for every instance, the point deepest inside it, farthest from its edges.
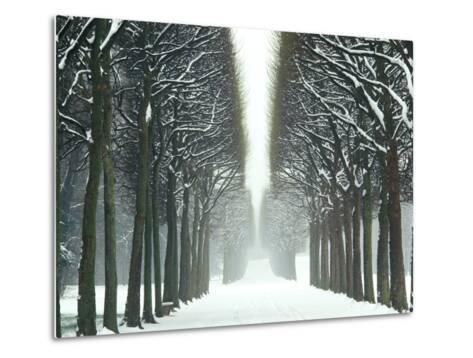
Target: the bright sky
(254, 54)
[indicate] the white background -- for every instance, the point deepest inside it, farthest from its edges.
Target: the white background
(441, 323)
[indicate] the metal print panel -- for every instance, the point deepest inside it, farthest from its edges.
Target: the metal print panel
(209, 176)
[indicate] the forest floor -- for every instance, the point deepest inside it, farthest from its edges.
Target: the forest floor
(260, 297)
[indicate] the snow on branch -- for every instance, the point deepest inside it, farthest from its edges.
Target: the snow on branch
(75, 43)
(390, 59)
(345, 118)
(114, 27)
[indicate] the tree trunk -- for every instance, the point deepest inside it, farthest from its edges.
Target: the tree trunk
(156, 243)
(292, 264)
(171, 278)
(357, 281)
(149, 253)
(341, 257)
(337, 254)
(175, 257)
(333, 257)
(347, 226)
(86, 306)
(398, 283)
(184, 272)
(312, 252)
(195, 239)
(148, 258)
(168, 266)
(206, 259)
(383, 292)
(227, 264)
(110, 304)
(317, 240)
(367, 244)
(396, 259)
(200, 255)
(132, 311)
(324, 269)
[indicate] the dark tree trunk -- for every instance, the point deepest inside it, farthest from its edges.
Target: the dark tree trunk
(396, 260)
(110, 304)
(200, 255)
(367, 244)
(185, 262)
(347, 226)
(149, 252)
(195, 239)
(168, 266)
(132, 311)
(357, 281)
(337, 254)
(206, 259)
(148, 262)
(398, 283)
(312, 257)
(317, 241)
(383, 290)
(333, 256)
(341, 257)
(156, 244)
(171, 278)
(175, 257)
(86, 306)
(324, 260)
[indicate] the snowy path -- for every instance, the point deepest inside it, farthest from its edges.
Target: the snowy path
(258, 298)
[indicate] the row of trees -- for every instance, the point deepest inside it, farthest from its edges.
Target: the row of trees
(342, 135)
(153, 112)
(283, 229)
(233, 233)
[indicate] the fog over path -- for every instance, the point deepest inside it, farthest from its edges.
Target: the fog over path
(254, 51)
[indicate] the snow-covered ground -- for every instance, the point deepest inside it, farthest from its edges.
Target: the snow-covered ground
(260, 297)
